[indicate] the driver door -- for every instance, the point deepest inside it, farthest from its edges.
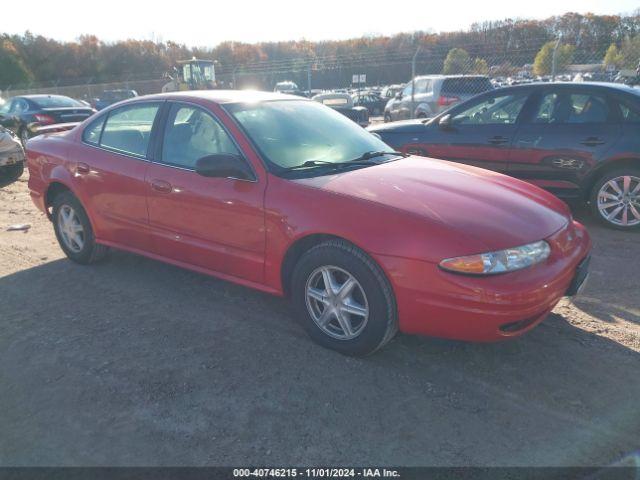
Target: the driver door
(211, 223)
(481, 134)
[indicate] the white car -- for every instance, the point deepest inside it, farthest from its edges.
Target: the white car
(11, 157)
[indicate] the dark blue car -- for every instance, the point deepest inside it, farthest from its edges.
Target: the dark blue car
(580, 141)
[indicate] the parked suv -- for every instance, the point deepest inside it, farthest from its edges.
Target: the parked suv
(580, 141)
(433, 95)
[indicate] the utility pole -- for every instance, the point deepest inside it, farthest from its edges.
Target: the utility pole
(413, 80)
(554, 58)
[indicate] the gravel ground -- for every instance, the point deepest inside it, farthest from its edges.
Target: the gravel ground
(134, 362)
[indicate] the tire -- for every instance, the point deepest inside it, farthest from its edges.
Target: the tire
(387, 118)
(610, 190)
(89, 251)
(371, 291)
(24, 137)
(10, 174)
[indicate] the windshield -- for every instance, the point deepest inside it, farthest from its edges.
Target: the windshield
(56, 101)
(290, 132)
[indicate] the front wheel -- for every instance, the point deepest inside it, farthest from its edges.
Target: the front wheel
(10, 174)
(74, 232)
(615, 199)
(343, 299)
(387, 118)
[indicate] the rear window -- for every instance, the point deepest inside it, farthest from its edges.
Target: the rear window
(335, 101)
(463, 85)
(56, 102)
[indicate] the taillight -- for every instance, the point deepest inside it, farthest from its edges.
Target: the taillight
(43, 119)
(444, 101)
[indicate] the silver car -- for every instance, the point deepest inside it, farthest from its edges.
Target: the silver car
(433, 95)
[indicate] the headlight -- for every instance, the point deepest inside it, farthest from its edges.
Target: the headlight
(499, 262)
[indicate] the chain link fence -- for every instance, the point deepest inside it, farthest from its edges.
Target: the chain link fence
(504, 64)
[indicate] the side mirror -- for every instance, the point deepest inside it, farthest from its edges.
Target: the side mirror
(224, 165)
(445, 121)
(399, 96)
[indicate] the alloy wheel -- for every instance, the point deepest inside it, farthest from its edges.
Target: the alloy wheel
(619, 201)
(71, 229)
(337, 302)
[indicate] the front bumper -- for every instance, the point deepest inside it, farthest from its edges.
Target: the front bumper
(442, 304)
(12, 157)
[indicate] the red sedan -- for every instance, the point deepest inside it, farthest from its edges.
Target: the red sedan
(287, 196)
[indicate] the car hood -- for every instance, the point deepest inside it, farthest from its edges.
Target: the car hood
(496, 210)
(403, 126)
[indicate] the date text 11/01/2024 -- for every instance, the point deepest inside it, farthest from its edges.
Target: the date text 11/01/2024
(315, 473)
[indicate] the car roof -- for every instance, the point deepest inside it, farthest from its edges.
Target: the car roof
(41, 95)
(597, 85)
(223, 96)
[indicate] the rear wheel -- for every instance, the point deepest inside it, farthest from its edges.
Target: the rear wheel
(343, 299)
(74, 232)
(615, 199)
(10, 174)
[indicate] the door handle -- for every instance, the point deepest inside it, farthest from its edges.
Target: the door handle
(498, 140)
(593, 142)
(161, 186)
(82, 168)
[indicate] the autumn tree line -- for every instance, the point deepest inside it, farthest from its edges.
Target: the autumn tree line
(505, 45)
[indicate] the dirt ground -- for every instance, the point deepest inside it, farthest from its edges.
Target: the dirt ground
(134, 362)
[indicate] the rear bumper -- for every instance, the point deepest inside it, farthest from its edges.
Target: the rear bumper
(437, 303)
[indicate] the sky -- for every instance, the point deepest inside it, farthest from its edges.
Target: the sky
(206, 23)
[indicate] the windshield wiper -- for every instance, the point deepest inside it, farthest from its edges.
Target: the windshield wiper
(374, 154)
(364, 159)
(310, 164)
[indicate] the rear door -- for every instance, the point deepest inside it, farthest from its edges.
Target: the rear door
(481, 132)
(110, 166)
(570, 129)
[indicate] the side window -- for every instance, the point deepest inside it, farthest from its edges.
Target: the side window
(629, 114)
(407, 90)
(421, 86)
(190, 134)
(128, 128)
(572, 108)
(588, 109)
(19, 106)
(546, 109)
(14, 107)
(92, 133)
(503, 110)
(4, 109)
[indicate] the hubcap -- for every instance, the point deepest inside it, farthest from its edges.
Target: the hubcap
(71, 229)
(337, 303)
(619, 201)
